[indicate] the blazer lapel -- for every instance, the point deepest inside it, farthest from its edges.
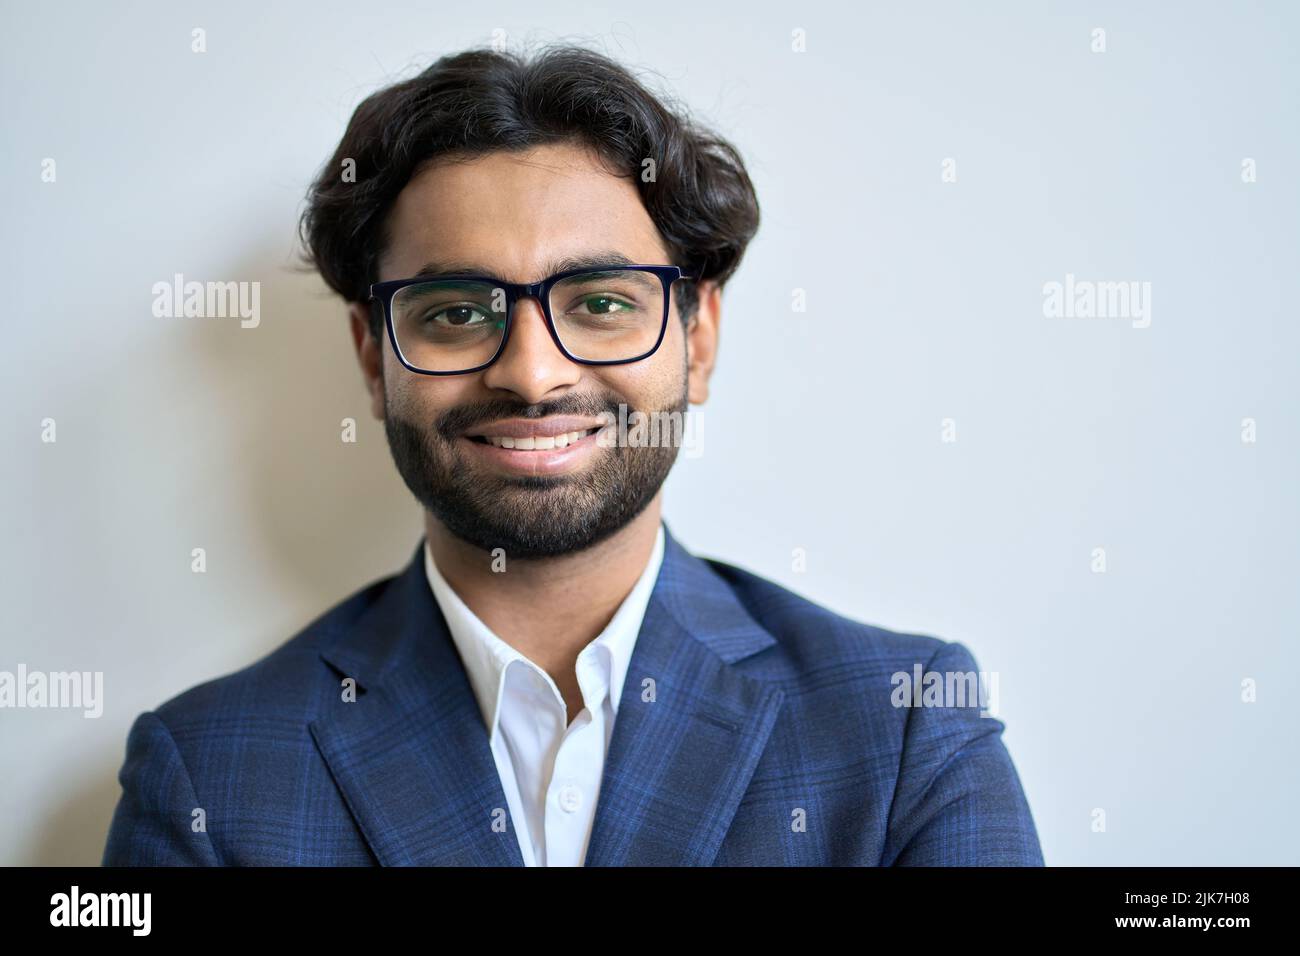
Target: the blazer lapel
(411, 755)
(412, 760)
(690, 727)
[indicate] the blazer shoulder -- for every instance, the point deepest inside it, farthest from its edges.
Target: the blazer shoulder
(804, 627)
(289, 677)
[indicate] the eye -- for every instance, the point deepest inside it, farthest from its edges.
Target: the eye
(605, 305)
(457, 316)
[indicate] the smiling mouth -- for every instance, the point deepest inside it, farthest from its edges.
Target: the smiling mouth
(536, 442)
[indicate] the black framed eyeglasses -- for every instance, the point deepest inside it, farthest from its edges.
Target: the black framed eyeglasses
(597, 315)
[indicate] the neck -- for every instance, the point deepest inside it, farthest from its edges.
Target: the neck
(549, 609)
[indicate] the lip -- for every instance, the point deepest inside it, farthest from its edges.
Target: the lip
(533, 427)
(534, 461)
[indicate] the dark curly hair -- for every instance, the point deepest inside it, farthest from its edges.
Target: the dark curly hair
(483, 100)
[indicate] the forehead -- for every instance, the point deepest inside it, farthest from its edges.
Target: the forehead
(515, 212)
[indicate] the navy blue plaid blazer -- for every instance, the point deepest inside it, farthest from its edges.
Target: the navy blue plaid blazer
(755, 728)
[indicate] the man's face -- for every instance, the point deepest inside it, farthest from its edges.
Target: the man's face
(511, 215)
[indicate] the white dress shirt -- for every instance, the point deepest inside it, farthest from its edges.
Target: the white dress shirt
(550, 770)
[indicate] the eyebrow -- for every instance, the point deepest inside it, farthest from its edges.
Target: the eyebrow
(436, 268)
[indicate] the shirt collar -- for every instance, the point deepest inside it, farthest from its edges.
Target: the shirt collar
(486, 656)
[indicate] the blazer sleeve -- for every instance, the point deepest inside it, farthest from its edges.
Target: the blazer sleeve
(958, 800)
(153, 822)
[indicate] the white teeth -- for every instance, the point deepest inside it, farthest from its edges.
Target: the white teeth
(539, 442)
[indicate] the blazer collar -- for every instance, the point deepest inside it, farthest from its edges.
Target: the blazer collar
(412, 759)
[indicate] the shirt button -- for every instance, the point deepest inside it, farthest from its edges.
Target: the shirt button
(570, 798)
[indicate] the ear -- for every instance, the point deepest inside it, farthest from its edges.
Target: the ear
(370, 354)
(702, 342)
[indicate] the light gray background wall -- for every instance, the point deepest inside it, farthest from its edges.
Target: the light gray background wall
(1121, 690)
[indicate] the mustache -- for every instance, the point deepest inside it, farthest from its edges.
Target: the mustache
(456, 421)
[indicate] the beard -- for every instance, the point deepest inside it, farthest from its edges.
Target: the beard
(529, 516)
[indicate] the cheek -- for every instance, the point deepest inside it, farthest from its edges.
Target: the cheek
(676, 345)
(652, 383)
(422, 397)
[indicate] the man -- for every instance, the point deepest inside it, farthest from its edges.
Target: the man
(531, 249)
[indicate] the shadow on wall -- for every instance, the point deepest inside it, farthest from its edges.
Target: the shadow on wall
(332, 514)
(259, 412)
(73, 831)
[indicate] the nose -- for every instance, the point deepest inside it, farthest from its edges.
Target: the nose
(532, 365)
